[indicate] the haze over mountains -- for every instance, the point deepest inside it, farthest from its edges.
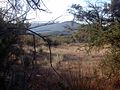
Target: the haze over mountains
(55, 28)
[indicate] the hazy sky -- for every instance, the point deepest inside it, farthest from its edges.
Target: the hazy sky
(58, 8)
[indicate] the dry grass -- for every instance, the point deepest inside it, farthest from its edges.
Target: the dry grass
(78, 69)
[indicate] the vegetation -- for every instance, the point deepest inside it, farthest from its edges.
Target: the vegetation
(16, 65)
(102, 27)
(24, 57)
(60, 40)
(10, 51)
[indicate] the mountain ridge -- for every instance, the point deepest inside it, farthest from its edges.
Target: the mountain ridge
(60, 28)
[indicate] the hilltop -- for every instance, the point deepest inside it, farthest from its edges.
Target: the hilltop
(55, 28)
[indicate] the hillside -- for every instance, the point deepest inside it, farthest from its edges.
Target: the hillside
(55, 28)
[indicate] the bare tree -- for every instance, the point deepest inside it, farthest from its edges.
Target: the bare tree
(17, 10)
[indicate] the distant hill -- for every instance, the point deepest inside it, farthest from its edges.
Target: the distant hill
(55, 28)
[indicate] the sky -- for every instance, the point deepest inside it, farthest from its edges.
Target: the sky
(58, 8)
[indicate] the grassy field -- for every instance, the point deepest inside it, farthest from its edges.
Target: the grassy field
(76, 70)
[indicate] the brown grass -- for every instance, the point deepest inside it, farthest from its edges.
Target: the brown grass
(78, 69)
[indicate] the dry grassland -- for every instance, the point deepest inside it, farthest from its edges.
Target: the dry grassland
(76, 70)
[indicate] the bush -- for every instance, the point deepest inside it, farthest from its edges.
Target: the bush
(110, 65)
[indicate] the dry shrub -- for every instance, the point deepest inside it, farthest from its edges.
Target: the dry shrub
(77, 80)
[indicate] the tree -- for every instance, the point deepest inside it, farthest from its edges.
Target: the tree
(14, 61)
(103, 27)
(10, 50)
(115, 8)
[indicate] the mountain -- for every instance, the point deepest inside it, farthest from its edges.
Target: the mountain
(55, 28)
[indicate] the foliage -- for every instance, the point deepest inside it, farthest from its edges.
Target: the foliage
(115, 9)
(28, 40)
(11, 52)
(16, 65)
(81, 36)
(101, 23)
(58, 40)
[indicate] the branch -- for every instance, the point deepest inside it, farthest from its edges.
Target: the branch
(48, 23)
